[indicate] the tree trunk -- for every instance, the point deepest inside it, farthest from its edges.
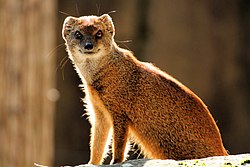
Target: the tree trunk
(26, 82)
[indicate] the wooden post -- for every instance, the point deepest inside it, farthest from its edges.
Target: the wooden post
(27, 82)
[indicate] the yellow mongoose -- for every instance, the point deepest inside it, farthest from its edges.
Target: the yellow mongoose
(135, 99)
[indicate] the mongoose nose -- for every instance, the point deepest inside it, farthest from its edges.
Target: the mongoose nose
(88, 46)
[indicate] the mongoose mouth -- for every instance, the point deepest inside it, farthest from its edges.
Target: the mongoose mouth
(90, 52)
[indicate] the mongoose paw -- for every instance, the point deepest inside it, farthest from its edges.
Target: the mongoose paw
(115, 161)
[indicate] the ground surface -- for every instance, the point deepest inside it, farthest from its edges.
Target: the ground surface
(242, 160)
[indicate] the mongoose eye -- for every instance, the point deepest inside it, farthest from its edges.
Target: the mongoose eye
(99, 34)
(78, 35)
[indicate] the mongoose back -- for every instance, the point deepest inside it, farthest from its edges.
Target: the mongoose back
(138, 101)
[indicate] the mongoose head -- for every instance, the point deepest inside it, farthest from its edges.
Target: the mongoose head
(88, 36)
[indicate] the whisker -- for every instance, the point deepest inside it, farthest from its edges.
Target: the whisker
(52, 51)
(63, 67)
(98, 8)
(77, 9)
(123, 43)
(113, 11)
(61, 12)
(64, 63)
(61, 63)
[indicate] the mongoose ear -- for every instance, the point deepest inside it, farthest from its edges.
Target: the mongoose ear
(107, 21)
(67, 26)
(69, 20)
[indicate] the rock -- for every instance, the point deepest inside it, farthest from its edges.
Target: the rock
(218, 161)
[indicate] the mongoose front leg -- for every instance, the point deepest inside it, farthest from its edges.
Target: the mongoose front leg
(99, 137)
(120, 138)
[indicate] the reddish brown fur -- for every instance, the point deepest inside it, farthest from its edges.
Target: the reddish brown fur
(141, 102)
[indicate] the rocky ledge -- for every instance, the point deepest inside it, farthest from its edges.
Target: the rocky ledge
(218, 161)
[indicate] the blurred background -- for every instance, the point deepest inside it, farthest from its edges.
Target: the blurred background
(204, 44)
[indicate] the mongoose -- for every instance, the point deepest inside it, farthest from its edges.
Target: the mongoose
(137, 100)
